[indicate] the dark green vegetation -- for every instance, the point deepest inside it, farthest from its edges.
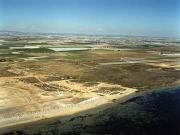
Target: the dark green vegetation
(35, 50)
(10, 55)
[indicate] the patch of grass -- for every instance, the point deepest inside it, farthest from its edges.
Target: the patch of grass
(10, 55)
(35, 50)
(77, 57)
(4, 47)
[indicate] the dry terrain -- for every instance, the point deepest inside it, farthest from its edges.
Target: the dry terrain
(41, 83)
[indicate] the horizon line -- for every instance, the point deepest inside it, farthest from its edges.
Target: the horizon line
(89, 34)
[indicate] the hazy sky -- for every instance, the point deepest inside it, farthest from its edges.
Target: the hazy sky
(126, 17)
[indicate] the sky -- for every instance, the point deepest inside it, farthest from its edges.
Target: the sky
(116, 17)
